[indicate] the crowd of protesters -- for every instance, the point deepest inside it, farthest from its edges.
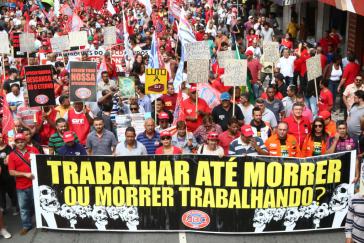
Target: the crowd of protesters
(281, 114)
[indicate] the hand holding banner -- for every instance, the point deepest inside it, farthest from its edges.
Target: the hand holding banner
(197, 50)
(198, 70)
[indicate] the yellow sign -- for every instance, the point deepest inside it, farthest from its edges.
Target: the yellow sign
(155, 81)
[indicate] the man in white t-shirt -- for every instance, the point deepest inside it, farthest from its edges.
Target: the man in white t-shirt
(286, 66)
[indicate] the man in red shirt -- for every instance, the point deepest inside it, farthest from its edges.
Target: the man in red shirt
(46, 123)
(254, 67)
(194, 115)
(79, 119)
(170, 98)
(326, 41)
(326, 99)
(351, 70)
(229, 135)
(298, 125)
(19, 167)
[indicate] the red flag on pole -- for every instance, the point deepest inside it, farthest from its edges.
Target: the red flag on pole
(7, 122)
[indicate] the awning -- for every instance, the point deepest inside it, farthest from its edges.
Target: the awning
(354, 6)
(289, 2)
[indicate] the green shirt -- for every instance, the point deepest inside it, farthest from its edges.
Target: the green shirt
(56, 141)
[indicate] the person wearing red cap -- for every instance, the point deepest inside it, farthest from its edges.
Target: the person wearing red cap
(71, 147)
(211, 147)
(330, 125)
(246, 144)
(167, 147)
(194, 116)
(19, 167)
(163, 122)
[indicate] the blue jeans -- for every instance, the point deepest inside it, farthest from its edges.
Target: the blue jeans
(258, 90)
(311, 102)
(26, 206)
(333, 88)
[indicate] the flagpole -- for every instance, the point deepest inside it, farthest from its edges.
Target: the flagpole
(196, 101)
(4, 75)
(234, 100)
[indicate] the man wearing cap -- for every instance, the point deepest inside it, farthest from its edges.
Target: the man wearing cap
(254, 67)
(193, 114)
(71, 147)
(330, 125)
(246, 144)
(163, 122)
(159, 107)
(283, 144)
(19, 167)
(224, 112)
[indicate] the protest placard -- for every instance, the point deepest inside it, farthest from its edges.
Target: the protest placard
(200, 193)
(271, 51)
(109, 36)
(40, 85)
(60, 44)
(155, 81)
(198, 71)
(135, 120)
(5, 44)
(235, 73)
(224, 55)
(314, 69)
(197, 50)
(83, 77)
(27, 42)
(127, 86)
(77, 38)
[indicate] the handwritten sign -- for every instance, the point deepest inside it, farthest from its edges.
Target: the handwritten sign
(78, 38)
(222, 56)
(314, 69)
(60, 44)
(198, 71)
(109, 36)
(127, 86)
(235, 73)
(5, 45)
(155, 81)
(271, 51)
(198, 50)
(27, 41)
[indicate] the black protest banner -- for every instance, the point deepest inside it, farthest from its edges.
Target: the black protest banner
(15, 41)
(83, 77)
(192, 193)
(40, 85)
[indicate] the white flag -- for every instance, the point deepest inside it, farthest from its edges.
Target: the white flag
(148, 6)
(110, 8)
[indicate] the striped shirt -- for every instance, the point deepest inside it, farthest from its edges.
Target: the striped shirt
(56, 141)
(354, 227)
(238, 147)
(27, 114)
(150, 144)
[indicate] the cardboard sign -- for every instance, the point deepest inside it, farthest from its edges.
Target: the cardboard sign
(235, 73)
(224, 55)
(127, 86)
(83, 77)
(198, 50)
(60, 44)
(198, 71)
(155, 81)
(271, 51)
(314, 69)
(40, 85)
(109, 36)
(78, 38)
(5, 44)
(27, 42)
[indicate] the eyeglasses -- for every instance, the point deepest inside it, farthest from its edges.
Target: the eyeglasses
(317, 125)
(165, 138)
(358, 79)
(133, 108)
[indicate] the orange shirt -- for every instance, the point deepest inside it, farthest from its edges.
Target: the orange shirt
(312, 148)
(290, 149)
(331, 128)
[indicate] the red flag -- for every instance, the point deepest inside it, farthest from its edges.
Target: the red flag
(95, 4)
(27, 19)
(178, 115)
(7, 122)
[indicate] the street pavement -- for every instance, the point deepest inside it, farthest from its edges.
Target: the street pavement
(45, 236)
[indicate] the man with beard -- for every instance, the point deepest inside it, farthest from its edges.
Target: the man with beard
(79, 120)
(229, 135)
(100, 141)
(56, 140)
(224, 112)
(260, 128)
(19, 167)
(130, 146)
(283, 144)
(273, 104)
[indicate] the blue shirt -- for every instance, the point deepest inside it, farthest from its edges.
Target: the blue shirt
(150, 144)
(76, 149)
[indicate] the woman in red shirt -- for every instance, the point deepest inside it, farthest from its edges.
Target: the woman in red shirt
(167, 147)
(287, 42)
(251, 36)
